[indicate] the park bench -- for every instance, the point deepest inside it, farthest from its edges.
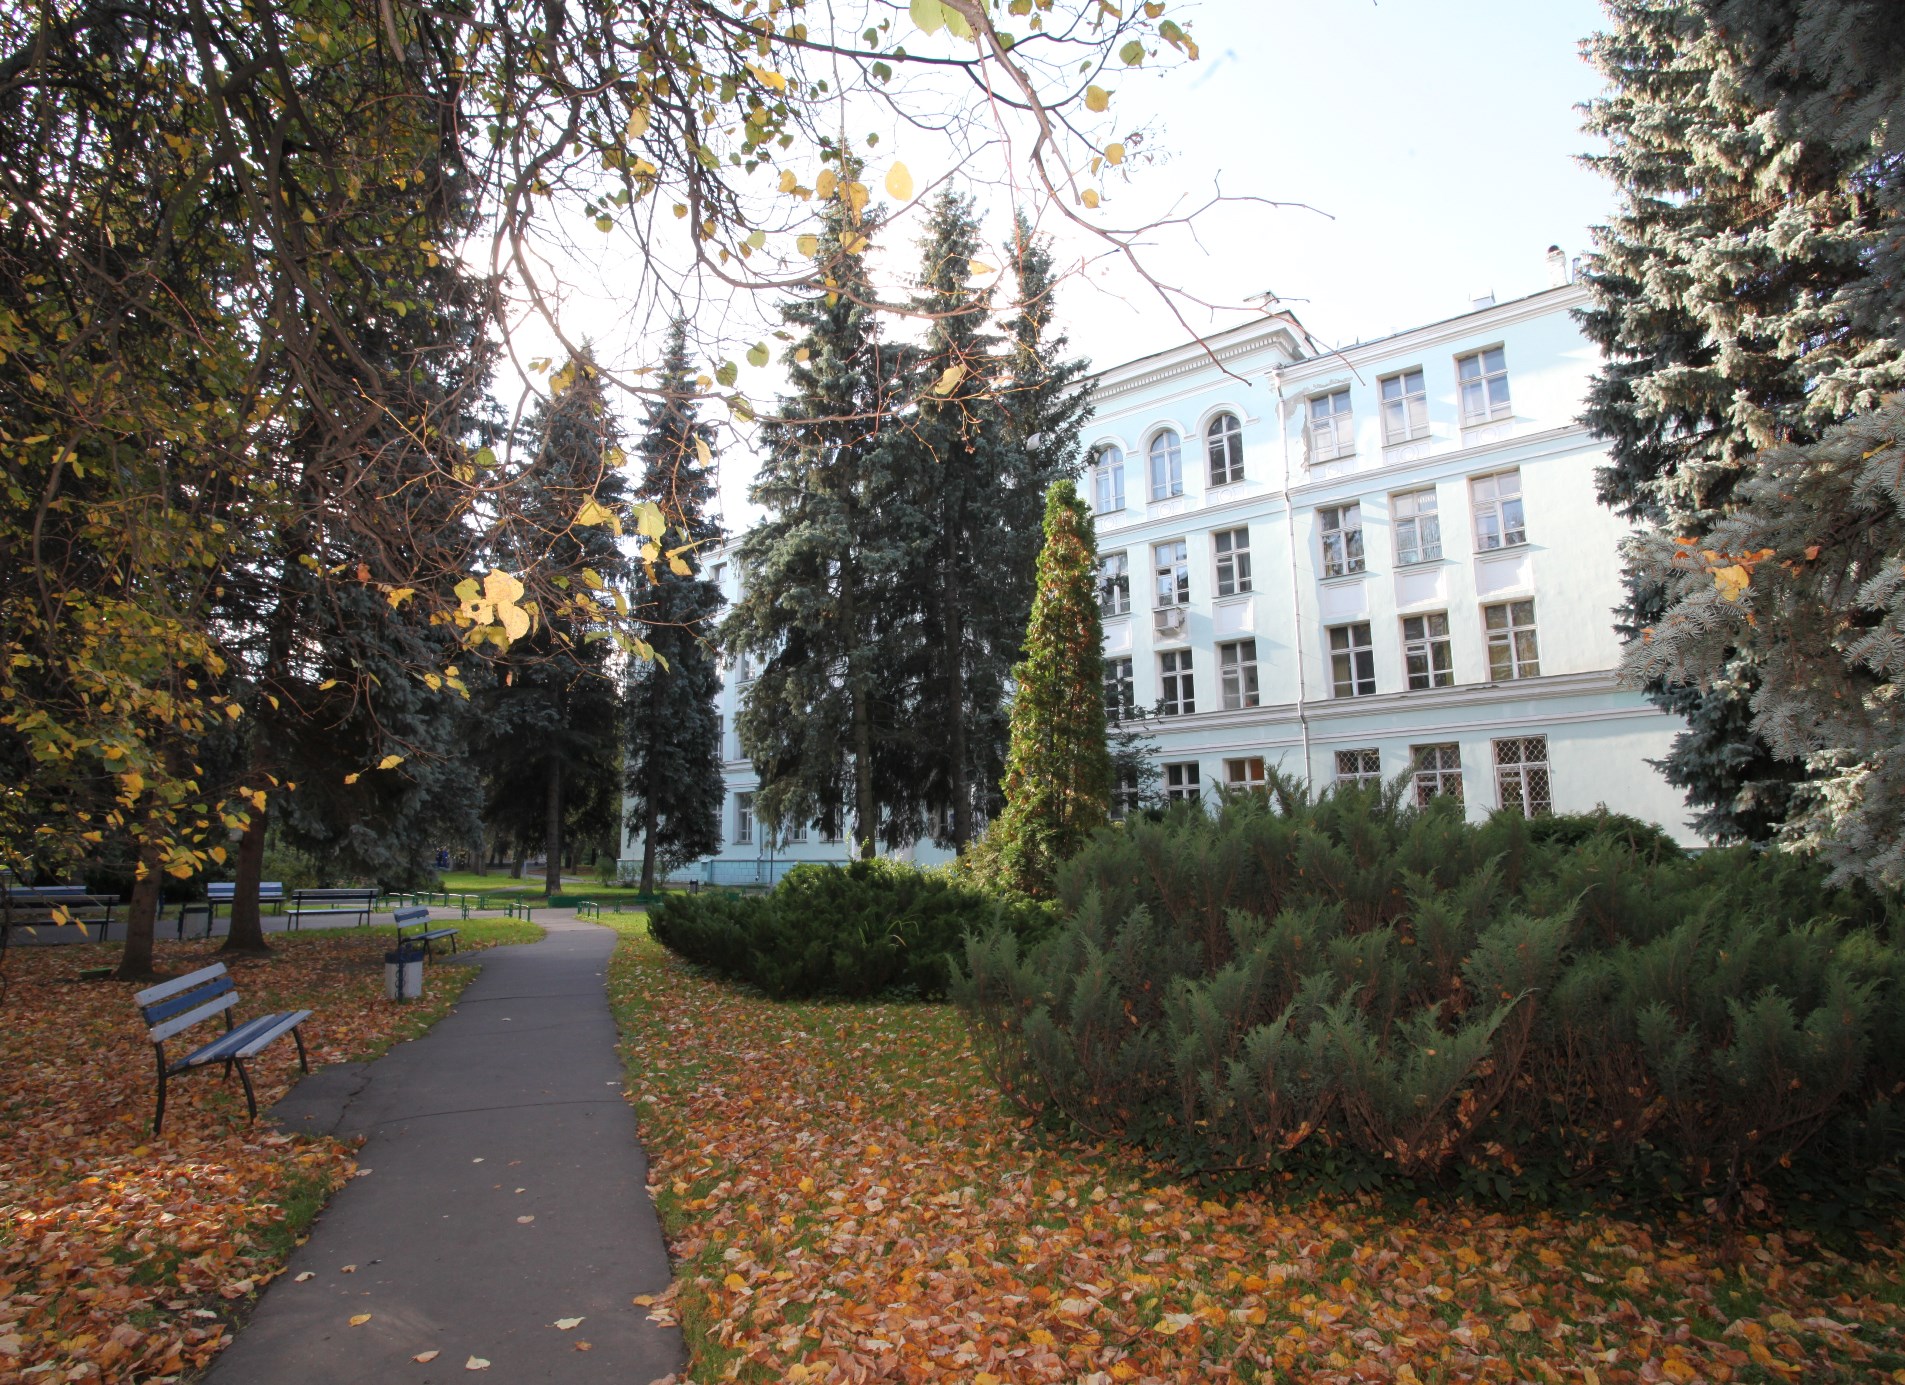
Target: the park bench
(328, 903)
(32, 904)
(420, 919)
(221, 892)
(172, 1007)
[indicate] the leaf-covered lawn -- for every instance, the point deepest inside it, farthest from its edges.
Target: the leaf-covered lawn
(848, 1200)
(127, 1258)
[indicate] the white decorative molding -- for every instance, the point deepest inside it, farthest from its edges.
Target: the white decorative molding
(1343, 598)
(1425, 585)
(1495, 573)
(1234, 616)
(1118, 635)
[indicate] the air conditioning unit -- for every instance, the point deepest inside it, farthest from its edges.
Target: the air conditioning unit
(1169, 621)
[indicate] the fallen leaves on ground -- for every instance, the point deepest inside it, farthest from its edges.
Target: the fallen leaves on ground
(847, 1200)
(125, 1256)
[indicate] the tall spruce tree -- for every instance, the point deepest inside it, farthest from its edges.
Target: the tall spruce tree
(1058, 766)
(821, 617)
(1734, 300)
(552, 730)
(674, 739)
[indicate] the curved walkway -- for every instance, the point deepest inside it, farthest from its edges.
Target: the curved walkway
(500, 1189)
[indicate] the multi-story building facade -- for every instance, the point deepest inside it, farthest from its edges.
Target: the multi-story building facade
(1352, 564)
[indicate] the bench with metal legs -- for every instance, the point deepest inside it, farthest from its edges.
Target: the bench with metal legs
(172, 1007)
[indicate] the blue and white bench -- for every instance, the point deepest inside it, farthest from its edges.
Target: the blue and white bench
(420, 918)
(222, 892)
(321, 903)
(25, 905)
(172, 1007)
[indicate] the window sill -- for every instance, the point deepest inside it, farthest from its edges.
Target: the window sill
(1415, 563)
(1234, 599)
(1389, 444)
(1501, 548)
(1470, 424)
(1337, 579)
(1114, 615)
(1165, 499)
(1348, 456)
(1216, 486)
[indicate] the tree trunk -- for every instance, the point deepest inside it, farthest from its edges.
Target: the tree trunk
(650, 818)
(516, 867)
(955, 675)
(865, 806)
(552, 830)
(248, 924)
(479, 858)
(142, 917)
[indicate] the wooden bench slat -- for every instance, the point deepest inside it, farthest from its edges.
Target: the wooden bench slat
(159, 1033)
(245, 1041)
(178, 983)
(163, 1010)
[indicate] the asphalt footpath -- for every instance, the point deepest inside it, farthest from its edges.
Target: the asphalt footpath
(501, 1194)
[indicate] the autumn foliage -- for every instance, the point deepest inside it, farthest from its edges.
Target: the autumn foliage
(1353, 990)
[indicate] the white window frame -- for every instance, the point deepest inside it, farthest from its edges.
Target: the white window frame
(1165, 464)
(1428, 643)
(1127, 791)
(1340, 531)
(1170, 559)
(1351, 676)
(1121, 688)
(1246, 775)
(1501, 520)
(1360, 766)
(744, 819)
(795, 835)
(1524, 776)
(1224, 449)
(1114, 587)
(1509, 657)
(1177, 684)
(1436, 770)
(1417, 520)
(1231, 550)
(1405, 408)
(1107, 479)
(1481, 400)
(1183, 781)
(1237, 674)
(1330, 425)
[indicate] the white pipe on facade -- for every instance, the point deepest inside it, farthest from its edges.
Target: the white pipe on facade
(1296, 601)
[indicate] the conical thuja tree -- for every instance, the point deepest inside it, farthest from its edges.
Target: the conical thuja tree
(1058, 766)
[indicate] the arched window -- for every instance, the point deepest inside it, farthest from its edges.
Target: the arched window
(1167, 465)
(1107, 479)
(1224, 440)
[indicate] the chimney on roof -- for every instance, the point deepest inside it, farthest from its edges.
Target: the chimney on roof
(1558, 275)
(1481, 298)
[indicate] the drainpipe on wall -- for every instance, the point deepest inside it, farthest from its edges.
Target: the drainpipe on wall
(1296, 605)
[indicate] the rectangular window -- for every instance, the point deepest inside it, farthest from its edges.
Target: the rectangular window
(1244, 776)
(1172, 569)
(1359, 767)
(1499, 522)
(1332, 427)
(743, 819)
(1178, 696)
(1114, 584)
(1418, 526)
(1121, 697)
(795, 835)
(1182, 781)
(1237, 673)
(1233, 561)
(830, 836)
(1510, 628)
(1107, 481)
(1438, 771)
(718, 573)
(1522, 779)
(1352, 660)
(1405, 407)
(1342, 529)
(1425, 651)
(1483, 378)
(1124, 792)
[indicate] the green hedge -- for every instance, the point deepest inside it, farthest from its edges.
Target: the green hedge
(865, 929)
(1351, 990)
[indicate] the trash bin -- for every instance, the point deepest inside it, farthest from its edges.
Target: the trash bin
(694, 887)
(403, 972)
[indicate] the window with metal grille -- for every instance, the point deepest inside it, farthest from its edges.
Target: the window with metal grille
(1405, 407)
(1483, 379)
(1178, 698)
(1510, 629)
(1522, 779)
(1172, 568)
(1107, 479)
(1237, 673)
(1361, 766)
(743, 819)
(1332, 427)
(1438, 771)
(1224, 444)
(1418, 526)
(1114, 584)
(1245, 775)
(1425, 650)
(1352, 660)
(1232, 547)
(1121, 698)
(1181, 781)
(1167, 465)
(1499, 519)
(1124, 792)
(1342, 530)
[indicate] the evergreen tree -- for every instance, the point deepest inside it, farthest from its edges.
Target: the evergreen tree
(674, 743)
(1058, 767)
(1740, 299)
(820, 617)
(552, 724)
